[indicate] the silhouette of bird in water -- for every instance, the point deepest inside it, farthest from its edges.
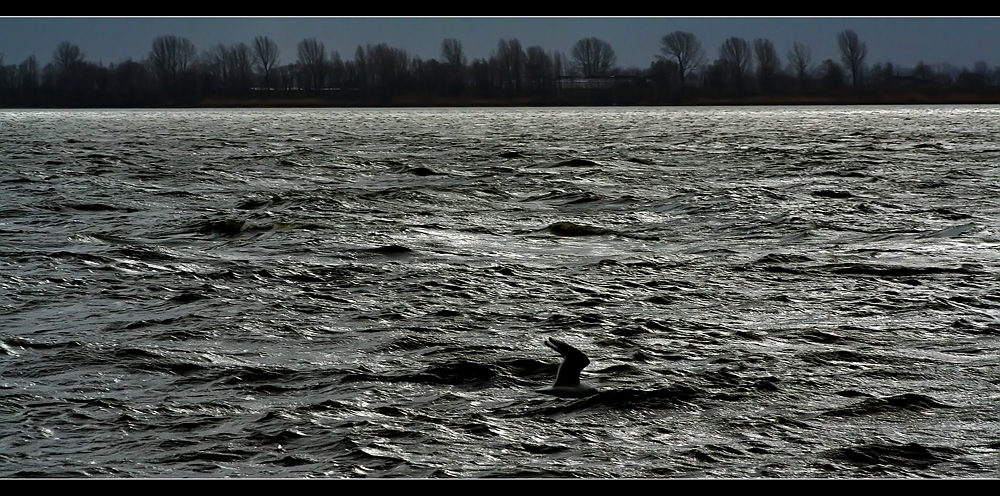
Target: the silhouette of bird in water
(568, 383)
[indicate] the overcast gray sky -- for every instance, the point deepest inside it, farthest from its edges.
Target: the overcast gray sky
(903, 41)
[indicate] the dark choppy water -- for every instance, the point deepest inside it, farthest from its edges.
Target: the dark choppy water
(763, 292)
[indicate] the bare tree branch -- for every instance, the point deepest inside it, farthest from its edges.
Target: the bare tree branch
(736, 59)
(800, 59)
(312, 58)
(852, 53)
(170, 57)
(265, 57)
(685, 49)
(768, 63)
(594, 57)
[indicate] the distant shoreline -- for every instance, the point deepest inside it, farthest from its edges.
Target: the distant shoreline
(437, 102)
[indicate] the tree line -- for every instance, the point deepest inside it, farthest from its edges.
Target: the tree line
(174, 73)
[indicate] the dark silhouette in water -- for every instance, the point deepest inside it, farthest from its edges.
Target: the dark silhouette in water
(567, 383)
(574, 229)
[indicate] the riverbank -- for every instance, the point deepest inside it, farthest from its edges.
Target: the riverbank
(596, 98)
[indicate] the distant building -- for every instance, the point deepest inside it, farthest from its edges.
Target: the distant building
(579, 82)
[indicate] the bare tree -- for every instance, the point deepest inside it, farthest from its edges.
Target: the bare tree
(67, 59)
(831, 74)
(800, 59)
(768, 63)
(66, 55)
(483, 77)
(388, 67)
(336, 70)
(265, 57)
(215, 65)
(170, 57)
(241, 65)
(509, 59)
(945, 72)
(539, 69)
(923, 71)
(312, 58)
(976, 78)
(451, 53)
(129, 80)
(736, 59)
(685, 49)
(663, 72)
(454, 57)
(227, 68)
(852, 53)
(28, 73)
(594, 57)
(363, 72)
(559, 64)
(882, 74)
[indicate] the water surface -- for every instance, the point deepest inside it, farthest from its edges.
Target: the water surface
(763, 292)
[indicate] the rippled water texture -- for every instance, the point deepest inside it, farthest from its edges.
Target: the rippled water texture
(762, 292)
